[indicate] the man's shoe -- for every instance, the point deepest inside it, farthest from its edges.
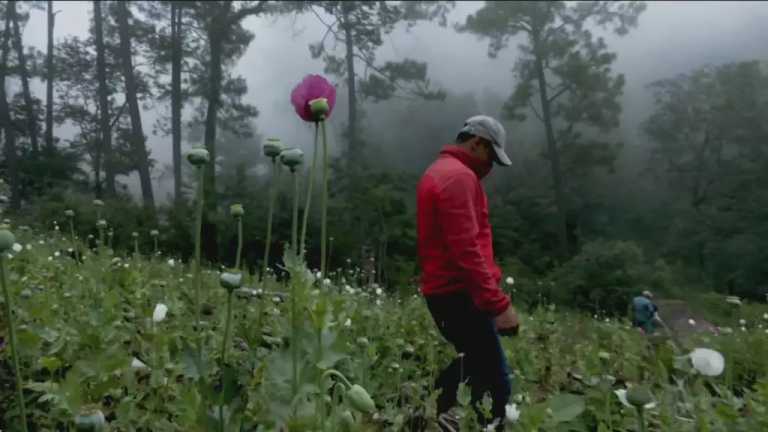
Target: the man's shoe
(448, 422)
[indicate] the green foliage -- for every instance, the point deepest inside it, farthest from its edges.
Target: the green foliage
(604, 277)
(82, 326)
(707, 142)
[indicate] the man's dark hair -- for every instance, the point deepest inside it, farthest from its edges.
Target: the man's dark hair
(463, 137)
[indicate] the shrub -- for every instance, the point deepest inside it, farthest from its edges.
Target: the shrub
(605, 275)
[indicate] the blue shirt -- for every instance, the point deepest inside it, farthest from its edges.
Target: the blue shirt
(644, 310)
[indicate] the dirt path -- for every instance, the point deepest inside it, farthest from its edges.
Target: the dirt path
(676, 314)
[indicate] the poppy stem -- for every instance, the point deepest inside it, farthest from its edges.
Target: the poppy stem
(295, 223)
(198, 235)
(14, 345)
(273, 196)
(324, 223)
(310, 186)
(239, 242)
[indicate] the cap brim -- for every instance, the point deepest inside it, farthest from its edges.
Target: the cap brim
(501, 156)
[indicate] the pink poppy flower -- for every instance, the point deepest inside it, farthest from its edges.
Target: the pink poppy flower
(312, 87)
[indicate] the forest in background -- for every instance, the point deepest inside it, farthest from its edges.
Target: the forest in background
(580, 218)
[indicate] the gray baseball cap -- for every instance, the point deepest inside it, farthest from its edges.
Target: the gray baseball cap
(489, 128)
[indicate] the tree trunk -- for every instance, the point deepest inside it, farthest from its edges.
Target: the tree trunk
(50, 73)
(176, 102)
(5, 118)
(140, 154)
(19, 47)
(215, 41)
(554, 156)
(354, 150)
(104, 150)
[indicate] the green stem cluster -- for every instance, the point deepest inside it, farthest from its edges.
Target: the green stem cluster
(14, 345)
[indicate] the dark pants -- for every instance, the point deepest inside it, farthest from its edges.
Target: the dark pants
(483, 364)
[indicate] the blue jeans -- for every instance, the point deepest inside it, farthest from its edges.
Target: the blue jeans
(483, 365)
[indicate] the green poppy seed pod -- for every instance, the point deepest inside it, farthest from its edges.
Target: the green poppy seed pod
(360, 400)
(154, 233)
(292, 158)
(273, 147)
(101, 224)
(639, 396)
(98, 203)
(231, 281)
(236, 210)
(198, 156)
(348, 420)
(90, 421)
(135, 234)
(69, 213)
(7, 239)
(319, 108)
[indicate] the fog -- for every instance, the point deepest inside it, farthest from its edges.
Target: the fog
(672, 38)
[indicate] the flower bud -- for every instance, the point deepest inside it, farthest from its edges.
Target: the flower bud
(69, 213)
(90, 421)
(360, 400)
(135, 234)
(236, 210)
(98, 203)
(348, 420)
(154, 233)
(101, 224)
(292, 158)
(319, 108)
(198, 156)
(7, 239)
(231, 281)
(639, 396)
(273, 147)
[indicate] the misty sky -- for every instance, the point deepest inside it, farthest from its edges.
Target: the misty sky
(672, 38)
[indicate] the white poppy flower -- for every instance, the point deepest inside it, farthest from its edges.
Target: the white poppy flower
(138, 364)
(17, 248)
(622, 395)
(743, 329)
(707, 362)
(57, 254)
(326, 282)
(171, 262)
(29, 246)
(510, 281)
(765, 316)
(379, 291)
(348, 323)
(742, 322)
(691, 321)
(159, 314)
(512, 413)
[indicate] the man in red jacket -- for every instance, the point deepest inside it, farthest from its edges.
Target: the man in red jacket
(460, 280)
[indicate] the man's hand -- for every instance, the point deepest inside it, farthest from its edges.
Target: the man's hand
(507, 323)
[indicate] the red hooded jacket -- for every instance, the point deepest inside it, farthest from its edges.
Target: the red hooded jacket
(454, 236)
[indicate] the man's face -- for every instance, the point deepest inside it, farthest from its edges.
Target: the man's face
(481, 149)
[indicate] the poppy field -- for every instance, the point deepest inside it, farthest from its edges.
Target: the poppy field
(108, 342)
